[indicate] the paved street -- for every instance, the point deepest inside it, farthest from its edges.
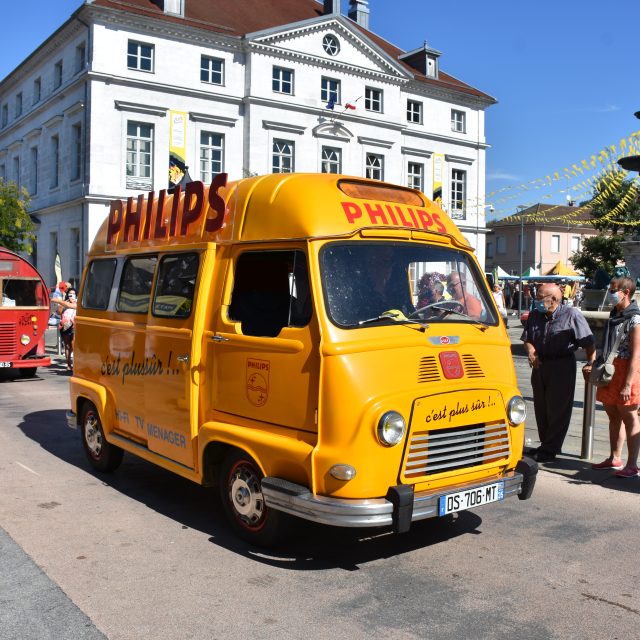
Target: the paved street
(145, 554)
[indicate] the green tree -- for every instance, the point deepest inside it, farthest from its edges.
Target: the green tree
(16, 226)
(598, 252)
(601, 205)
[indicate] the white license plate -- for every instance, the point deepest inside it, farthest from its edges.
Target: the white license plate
(470, 498)
(5, 365)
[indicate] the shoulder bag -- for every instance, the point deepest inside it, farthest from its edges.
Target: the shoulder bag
(603, 370)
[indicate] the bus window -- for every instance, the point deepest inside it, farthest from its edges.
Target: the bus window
(98, 284)
(176, 285)
(136, 283)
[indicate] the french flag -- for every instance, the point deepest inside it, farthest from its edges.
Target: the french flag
(350, 106)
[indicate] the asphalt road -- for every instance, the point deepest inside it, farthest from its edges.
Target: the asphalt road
(145, 554)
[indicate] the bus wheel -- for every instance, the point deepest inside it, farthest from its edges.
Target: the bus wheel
(102, 455)
(28, 372)
(243, 502)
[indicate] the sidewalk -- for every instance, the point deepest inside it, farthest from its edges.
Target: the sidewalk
(573, 442)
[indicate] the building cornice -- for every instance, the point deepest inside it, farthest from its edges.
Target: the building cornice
(53, 122)
(375, 142)
(458, 159)
(426, 135)
(283, 126)
(413, 151)
(146, 109)
(220, 121)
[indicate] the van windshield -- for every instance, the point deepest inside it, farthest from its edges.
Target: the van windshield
(372, 283)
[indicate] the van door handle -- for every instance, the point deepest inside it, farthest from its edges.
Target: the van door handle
(220, 339)
(183, 358)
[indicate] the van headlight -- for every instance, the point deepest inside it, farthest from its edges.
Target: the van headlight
(516, 410)
(391, 428)
(24, 339)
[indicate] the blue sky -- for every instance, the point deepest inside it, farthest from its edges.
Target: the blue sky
(563, 72)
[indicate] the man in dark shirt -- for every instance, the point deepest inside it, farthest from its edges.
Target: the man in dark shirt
(551, 336)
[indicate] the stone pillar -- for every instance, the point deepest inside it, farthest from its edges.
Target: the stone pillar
(631, 250)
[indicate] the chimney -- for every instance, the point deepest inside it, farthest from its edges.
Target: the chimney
(359, 12)
(331, 6)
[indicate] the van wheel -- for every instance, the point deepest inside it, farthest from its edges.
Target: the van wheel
(28, 372)
(102, 455)
(243, 503)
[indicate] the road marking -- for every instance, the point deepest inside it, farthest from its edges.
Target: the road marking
(27, 468)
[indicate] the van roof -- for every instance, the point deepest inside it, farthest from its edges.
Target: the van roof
(270, 207)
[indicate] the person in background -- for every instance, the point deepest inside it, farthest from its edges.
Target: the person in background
(456, 286)
(498, 296)
(621, 398)
(67, 311)
(551, 336)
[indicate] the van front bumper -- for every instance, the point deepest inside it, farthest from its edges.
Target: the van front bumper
(399, 508)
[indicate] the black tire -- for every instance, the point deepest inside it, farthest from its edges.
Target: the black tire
(243, 504)
(102, 455)
(28, 372)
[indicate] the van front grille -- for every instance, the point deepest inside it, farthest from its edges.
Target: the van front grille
(7, 341)
(442, 450)
(471, 367)
(429, 371)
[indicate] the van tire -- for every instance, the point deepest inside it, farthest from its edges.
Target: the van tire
(102, 455)
(243, 503)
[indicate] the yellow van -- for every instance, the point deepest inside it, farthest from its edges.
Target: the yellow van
(319, 346)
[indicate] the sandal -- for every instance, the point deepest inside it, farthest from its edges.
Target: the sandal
(609, 463)
(627, 472)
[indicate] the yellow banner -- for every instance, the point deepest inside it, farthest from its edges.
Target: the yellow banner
(177, 147)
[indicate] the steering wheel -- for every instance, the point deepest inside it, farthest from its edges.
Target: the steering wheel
(440, 304)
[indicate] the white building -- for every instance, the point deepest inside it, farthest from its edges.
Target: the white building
(242, 87)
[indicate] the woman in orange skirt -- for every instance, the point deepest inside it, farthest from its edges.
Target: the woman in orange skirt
(621, 398)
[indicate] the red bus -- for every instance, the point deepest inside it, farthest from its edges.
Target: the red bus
(24, 315)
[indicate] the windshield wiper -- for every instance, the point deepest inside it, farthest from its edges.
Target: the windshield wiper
(396, 316)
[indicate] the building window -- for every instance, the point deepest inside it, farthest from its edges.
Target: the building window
(34, 171)
(55, 161)
(414, 112)
(211, 70)
(501, 244)
(211, 155)
(139, 152)
(75, 268)
(16, 172)
(373, 99)
(57, 74)
(81, 57)
(76, 152)
(140, 56)
(282, 80)
(330, 92)
(415, 176)
(555, 243)
(18, 105)
(173, 6)
(3, 172)
(37, 90)
(458, 121)
(458, 193)
(331, 45)
(575, 244)
(5, 115)
(375, 166)
(522, 242)
(331, 160)
(282, 158)
(489, 249)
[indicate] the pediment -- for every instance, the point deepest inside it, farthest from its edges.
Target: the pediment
(305, 42)
(332, 130)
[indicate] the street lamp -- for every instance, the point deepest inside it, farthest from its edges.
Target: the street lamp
(521, 208)
(631, 163)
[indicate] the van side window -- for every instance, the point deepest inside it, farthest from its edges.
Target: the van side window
(271, 291)
(97, 286)
(135, 285)
(176, 285)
